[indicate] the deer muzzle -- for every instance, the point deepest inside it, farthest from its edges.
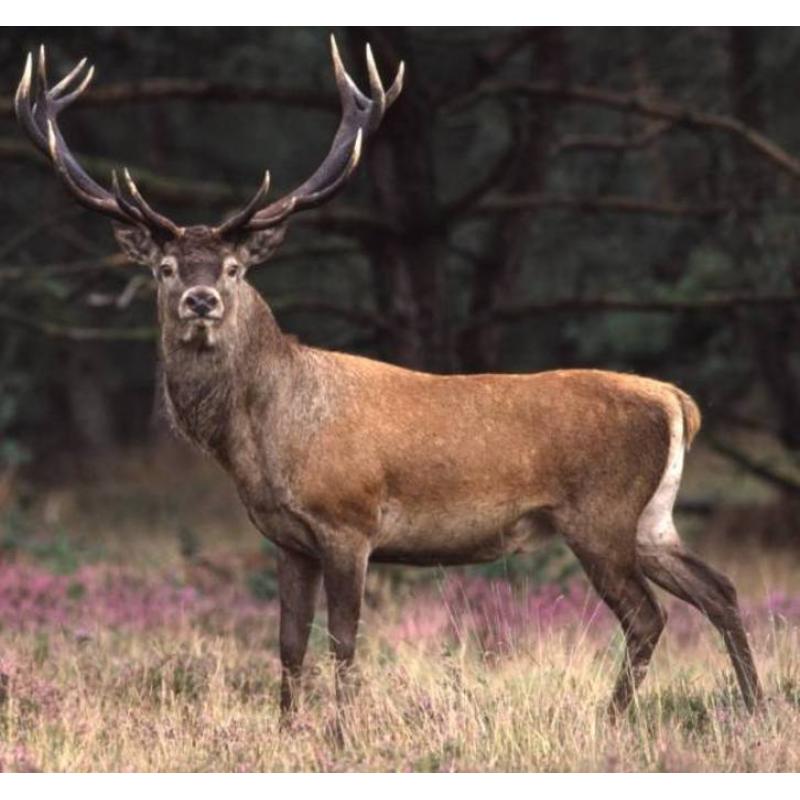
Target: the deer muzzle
(200, 303)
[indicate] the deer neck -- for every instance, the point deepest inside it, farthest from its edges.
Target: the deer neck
(208, 391)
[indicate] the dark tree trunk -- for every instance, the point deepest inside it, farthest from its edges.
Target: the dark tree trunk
(89, 402)
(496, 274)
(770, 331)
(408, 266)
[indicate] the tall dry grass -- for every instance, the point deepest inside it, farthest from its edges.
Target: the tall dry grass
(194, 687)
(133, 636)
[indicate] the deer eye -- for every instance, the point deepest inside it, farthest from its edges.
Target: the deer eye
(166, 270)
(232, 269)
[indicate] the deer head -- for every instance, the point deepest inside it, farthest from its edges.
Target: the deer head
(199, 269)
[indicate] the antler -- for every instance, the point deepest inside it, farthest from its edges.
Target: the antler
(38, 116)
(361, 116)
(38, 107)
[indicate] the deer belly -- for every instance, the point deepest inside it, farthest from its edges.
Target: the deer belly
(458, 536)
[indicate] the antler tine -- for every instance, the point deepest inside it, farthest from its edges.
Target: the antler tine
(241, 218)
(55, 95)
(397, 85)
(37, 116)
(41, 69)
(23, 108)
(345, 84)
(295, 203)
(147, 211)
(24, 86)
(375, 83)
(361, 116)
(38, 108)
(62, 85)
(84, 197)
(122, 201)
(65, 100)
(376, 90)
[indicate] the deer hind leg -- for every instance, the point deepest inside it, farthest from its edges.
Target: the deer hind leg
(298, 586)
(684, 575)
(665, 561)
(629, 596)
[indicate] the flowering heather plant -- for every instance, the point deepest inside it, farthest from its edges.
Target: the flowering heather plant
(114, 668)
(499, 616)
(16, 759)
(493, 613)
(102, 596)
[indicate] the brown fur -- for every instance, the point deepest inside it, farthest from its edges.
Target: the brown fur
(342, 460)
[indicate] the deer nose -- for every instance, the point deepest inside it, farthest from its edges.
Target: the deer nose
(202, 301)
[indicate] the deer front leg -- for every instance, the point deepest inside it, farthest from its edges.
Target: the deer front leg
(298, 587)
(344, 571)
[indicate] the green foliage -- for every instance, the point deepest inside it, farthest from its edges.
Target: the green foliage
(789, 688)
(13, 452)
(262, 581)
(61, 552)
(263, 585)
(180, 677)
(553, 563)
(197, 158)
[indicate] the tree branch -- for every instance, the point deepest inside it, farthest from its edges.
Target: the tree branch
(481, 187)
(167, 189)
(777, 479)
(76, 334)
(633, 103)
(115, 262)
(590, 142)
(358, 317)
(178, 191)
(607, 203)
(604, 305)
(155, 90)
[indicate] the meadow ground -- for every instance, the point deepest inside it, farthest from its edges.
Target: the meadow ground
(138, 631)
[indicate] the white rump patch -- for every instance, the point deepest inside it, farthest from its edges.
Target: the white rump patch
(655, 526)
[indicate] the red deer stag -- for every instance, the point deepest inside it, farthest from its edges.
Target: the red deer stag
(340, 460)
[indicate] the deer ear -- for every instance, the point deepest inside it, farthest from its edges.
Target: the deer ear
(137, 244)
(258, 246)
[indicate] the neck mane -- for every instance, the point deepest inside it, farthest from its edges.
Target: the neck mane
(205, 388)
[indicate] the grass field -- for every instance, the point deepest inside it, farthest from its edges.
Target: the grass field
(138, 631)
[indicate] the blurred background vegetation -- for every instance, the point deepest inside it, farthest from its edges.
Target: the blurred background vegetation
(537, 198)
